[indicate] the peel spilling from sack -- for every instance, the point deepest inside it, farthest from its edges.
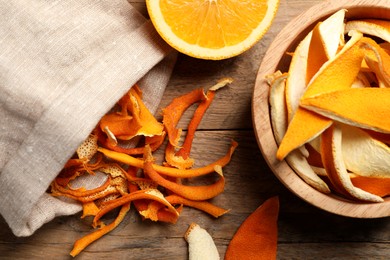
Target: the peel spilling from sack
(330, 111)
(132, 174)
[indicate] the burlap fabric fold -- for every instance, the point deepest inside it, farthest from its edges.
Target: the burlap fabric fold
(63, 65)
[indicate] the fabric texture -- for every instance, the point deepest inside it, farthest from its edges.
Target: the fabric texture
(63, 65)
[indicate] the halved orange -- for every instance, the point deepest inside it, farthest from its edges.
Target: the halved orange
(211, 29)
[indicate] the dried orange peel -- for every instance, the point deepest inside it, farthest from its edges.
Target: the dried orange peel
(332, 127)
(257, 236)
(132, 175)
(200, 243)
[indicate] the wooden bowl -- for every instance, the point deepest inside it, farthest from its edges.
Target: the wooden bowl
(276, 58)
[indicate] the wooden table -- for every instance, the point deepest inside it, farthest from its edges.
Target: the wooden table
(305, 232)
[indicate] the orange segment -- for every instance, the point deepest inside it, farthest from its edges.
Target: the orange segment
(211, 29)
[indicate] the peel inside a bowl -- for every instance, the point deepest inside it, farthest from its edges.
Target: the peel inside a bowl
(332, 158)
(278, 112)
(306, 125)
(337, 100)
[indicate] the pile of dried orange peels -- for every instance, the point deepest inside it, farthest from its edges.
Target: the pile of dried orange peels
(330, 110)
(132, 173)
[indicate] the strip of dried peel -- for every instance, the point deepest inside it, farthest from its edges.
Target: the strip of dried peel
(169, 171)
(295, 158)
(106, 141)
(296, 81)
(377, 186)
(149, 124)
(88, 148)
(317, 55)
(371, 159)
(90, 209)
(185, 149)
(367, 108)
(378, 28)
(149, 194)
(173, 112)
(204, 206)
(380, 63)
(85, 241)
(115, 184)
(151, 212)
(200, 244)
(332, 158)
(175, 160)
(321, 44)
(155, 211)
(257, 236)
(326, 40)
(74, 168)
(135, 184)
(117, 126)
(332, 33)
(189, 192)
(307, 125)
(348, 60)
(278, 109)
(58, 190)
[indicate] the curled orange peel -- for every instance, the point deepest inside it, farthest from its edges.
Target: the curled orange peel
(149, 124)
(204, 206)
(317, 55)
(58, 190)
(168, 171)
(306, 125)
(118, 126)
(174, 111)
(85, 241)
(149, 194)
(189, 192)
(88, 148)
(181, 158)
(331, 151)
(134, 119)
(380, 63)
(90, 209)
(377, 186)
(140, 182)
(185, 149)
(177, 160)
(354, 107)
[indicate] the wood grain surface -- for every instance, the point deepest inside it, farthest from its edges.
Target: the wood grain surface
(305, 232)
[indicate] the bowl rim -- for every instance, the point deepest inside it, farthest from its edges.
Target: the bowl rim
(286, 39)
